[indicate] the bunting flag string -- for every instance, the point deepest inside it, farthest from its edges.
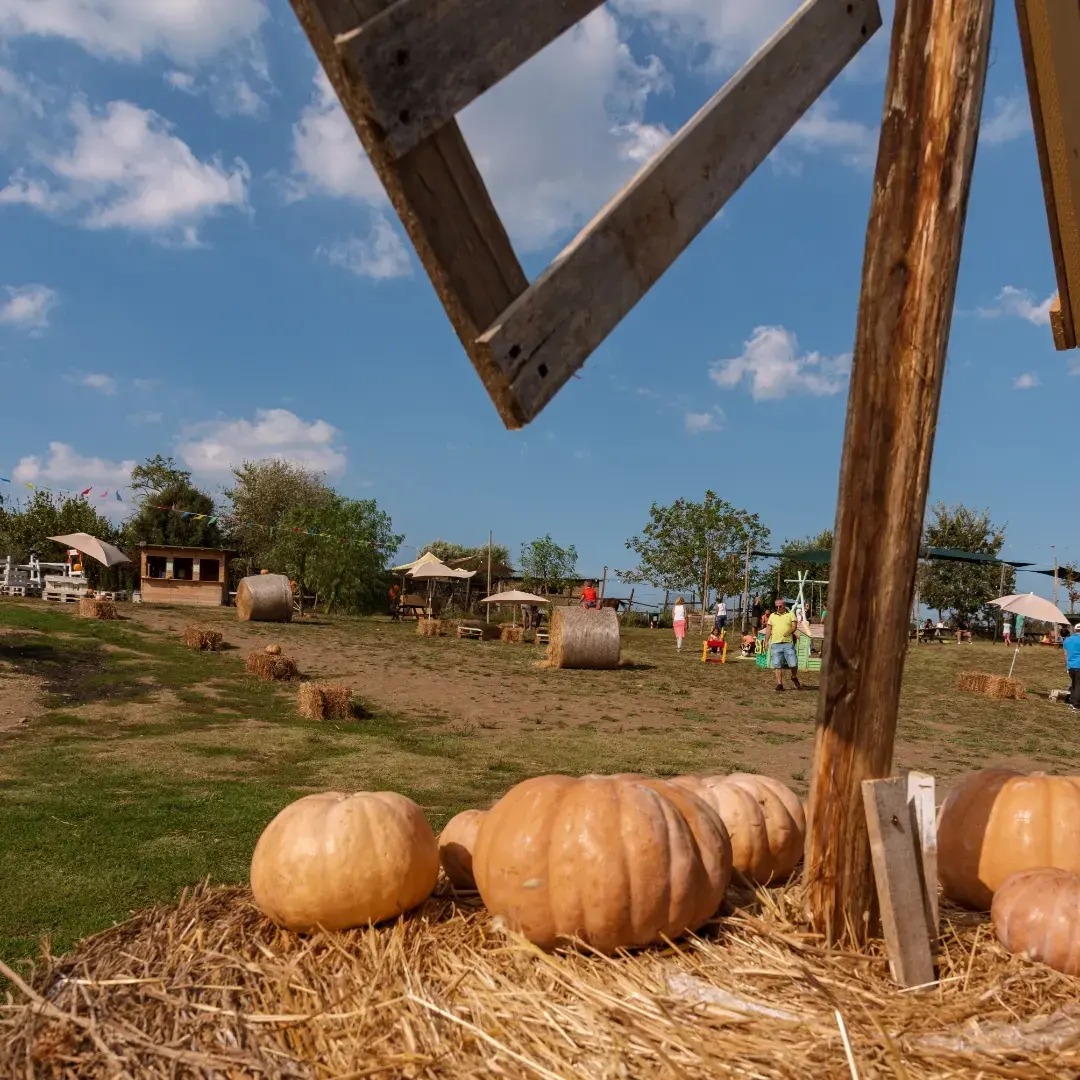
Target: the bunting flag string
(210, 519)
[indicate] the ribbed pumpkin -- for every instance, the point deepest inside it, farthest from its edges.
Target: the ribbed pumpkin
(456, 845)
(997, 822)
(615, 861)
(338, 861)
(764, 819)
(1037, 913)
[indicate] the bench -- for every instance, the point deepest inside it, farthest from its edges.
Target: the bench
(474, 633)
(541, 637)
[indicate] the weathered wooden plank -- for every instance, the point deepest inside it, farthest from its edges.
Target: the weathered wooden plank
(423, 61)
(921, 802)
(547, 334)
(933, 98)
(895, 851)
(1050, 43)
(439, 196)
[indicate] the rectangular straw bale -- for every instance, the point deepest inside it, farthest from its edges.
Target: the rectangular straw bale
(205, 638)
(325, 701)
(91, 608)
(270, 668)
(514, 634)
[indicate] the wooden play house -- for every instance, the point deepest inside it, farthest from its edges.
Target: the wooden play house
(194, 576)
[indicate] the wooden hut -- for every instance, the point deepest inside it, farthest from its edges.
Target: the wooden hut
(194, 576)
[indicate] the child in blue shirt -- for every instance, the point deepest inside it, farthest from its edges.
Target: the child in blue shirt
(1071, 647)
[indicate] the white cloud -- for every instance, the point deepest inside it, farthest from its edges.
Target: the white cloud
(1020, 304)
(1028, 381)
(1010, 119)
(103, 384)
(27, 307)
(187, 31)
(775, 368)
(145, 418)
(380, 255)
(698, 423)
(146, 384)
(126, 169)
(228, 88)
(217, 445)
(65, 464)
(822, 130)
(554, 141)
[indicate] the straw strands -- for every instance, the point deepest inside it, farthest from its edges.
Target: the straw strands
(209, 987)
(325, 701)
(90, 608)
(584, 639)
(514, 634)
(269, 667)
(264, 598)
(432, 627)
(204, 638)
(995, 686)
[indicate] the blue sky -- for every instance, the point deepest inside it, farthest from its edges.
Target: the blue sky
(197, 260)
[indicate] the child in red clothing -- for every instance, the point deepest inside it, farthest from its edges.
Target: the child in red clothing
(588, 596)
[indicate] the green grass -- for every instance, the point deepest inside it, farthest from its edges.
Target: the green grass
(153, 766)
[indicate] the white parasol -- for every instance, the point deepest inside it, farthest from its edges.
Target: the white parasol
(436, 571)
(1031, 607)
(105, 554)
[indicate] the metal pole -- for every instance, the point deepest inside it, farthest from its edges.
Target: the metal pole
(487, 612)
(746, 588)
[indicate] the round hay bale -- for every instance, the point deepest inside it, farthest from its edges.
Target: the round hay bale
(583, 638)
(264, 598)
(273, 650)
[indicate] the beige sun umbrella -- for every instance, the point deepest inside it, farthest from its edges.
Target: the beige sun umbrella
(1031, 607)
(437, 571)
(91, 546)
(515, 597)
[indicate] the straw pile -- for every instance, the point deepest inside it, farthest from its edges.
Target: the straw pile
(205, 638)
(269, 667)
(325, 701)
(513, 634)
(431, 627)
(207, 987)
(584, 639)
(995, 686)
(264, 598)
(89, 608)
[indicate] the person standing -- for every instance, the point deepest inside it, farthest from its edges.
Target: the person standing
(678, 622)
(780, 640)
(720, 620)
(1006, 630)
(755, 610)
(1020, 620)
(1071, 646)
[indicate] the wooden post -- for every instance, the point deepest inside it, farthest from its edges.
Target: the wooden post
(603, 585)
(487, 612)
(746, 588)
(933, 99)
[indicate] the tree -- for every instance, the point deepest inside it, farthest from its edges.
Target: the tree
(263, 493)
(547, 567)
(681, 540)
(156, 474)
(338, 550)
(963, 588)
(475, 557)
(1071, 578)
(179, 515)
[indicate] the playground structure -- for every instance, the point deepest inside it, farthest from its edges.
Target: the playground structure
(67, 583)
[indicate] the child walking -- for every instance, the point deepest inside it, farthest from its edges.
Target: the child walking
(678, 622)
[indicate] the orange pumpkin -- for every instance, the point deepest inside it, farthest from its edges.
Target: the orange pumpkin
(456, 844)
(273, 650)
(336, 861)
(997, 822)
(1037, 913)
(615, 861)
(764, 819)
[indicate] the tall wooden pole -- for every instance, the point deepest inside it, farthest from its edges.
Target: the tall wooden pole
(487, 612)
(746, 589)
(933, 99)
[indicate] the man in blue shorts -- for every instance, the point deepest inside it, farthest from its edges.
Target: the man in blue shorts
(1071, 646)
(780, 641)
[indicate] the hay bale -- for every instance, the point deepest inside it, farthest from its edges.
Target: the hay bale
(187, 988)
(427, 627)
(204, 638)
(325, 701)
(995, 686)
(514, 634)
(583, 638)
(973, 682)
(90, 608)
(264, 598)
(270, 668)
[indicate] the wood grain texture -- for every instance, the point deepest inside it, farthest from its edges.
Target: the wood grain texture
(439, 196)
(895, 851)
(1050, 43)
(423, 61)
(548, 333)
(933, 98)
(920, 794)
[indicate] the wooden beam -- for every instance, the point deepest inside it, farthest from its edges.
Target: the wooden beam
(547, 334)
(920, 796)
(895, 848)
(439, 196)
(423, 61)
(1058, 328)
(1050, 43)
(933, 99)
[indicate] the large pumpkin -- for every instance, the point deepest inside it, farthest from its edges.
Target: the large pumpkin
(615, 861)
(336, 861)
(997, 822)
(764, 819)
(456, 845)
(1037, 913)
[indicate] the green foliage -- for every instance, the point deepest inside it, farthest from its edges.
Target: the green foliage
(546, 566)
(1070, 578)
(337, 550)
(963, 588)
(475, 557)
(156, 474)
(680, 539)
(152, 525)
(263, 494)
(791, 565)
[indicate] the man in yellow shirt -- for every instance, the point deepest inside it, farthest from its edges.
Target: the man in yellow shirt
(780, 640)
